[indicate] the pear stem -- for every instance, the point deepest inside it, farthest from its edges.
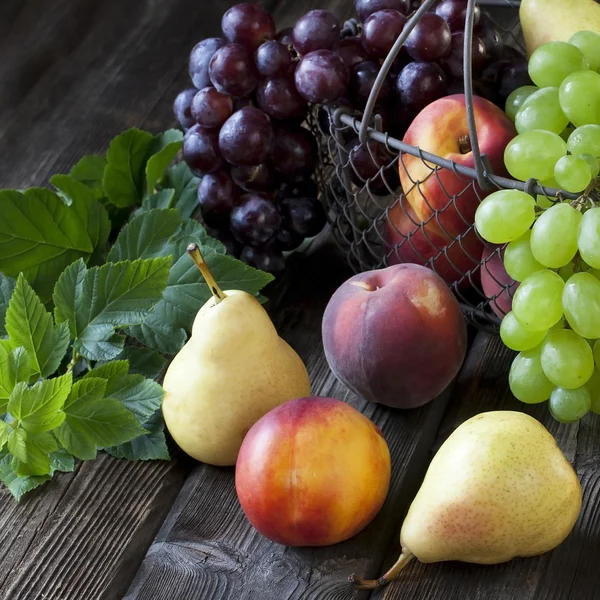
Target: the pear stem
(194, 251)
(373, 584)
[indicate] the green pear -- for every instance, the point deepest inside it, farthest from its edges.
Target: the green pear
(556, 20)
(497, 489)
(233, 370)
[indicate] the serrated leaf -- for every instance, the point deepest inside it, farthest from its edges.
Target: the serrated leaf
(151, 446)
(61, 460)
(39, 448)
(158, 335)
(68, 188)
(90, 171)
(7, 286)
(29, 325)
(109, 371)
(67, 291)
(143, 361)
(124, 175)
(180, 178)
(141, 396)
(162, 199)
(87, 389)
(18, 486)
(14, 368)
(146, 236)
(4, 431)
(39, 407)
(17, 443)
(162, 152)
(99, 342)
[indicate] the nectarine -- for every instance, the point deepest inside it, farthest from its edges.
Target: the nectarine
(498, 286)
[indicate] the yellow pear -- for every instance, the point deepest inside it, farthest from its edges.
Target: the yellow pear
(233, 370)
(556, 20)
(497, 489)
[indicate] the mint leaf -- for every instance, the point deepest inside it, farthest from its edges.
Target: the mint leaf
(141, 396)
(14, 368)
(162, 199)
(163, 150)
(18, 486)
(90, 171)
(180, 178)
(4, 431)
(7, 286)
(109, 371)
(144, 361)
(146, 235)
(39, 407)
(39, 448)
(124, 176)
(29, 325)
(151, 446)
(17, 443)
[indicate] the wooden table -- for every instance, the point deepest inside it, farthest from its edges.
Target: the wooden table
(73, 74)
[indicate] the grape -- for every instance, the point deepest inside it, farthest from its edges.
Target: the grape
(537, 302)
(225, 236)
(239, 103)
(200, 58)
(287, 240)
(272, 59)
(256, 178)
(593, 387)
(381, 30)
(541, 110)
(321, 77)
(245, 138)
(298, 188)
(504, 216)
(554, 236)
(589, 44)
(572, 173)
(580, 98)
(454, 62)
(304, 216)
(516, 337)
(512, 76)
(216, 195)
(267, 258)
(585, 140)
(201, 150)
(581, 303)
(533, 154)
(567, 359)
(255, 220)
(419, 84)
(294, 150)
(527, 380)
(232, 70)
(286, 36)
(568, 406)
(550, 63)
(367, 160)
(454, 12)
(211, 108)
(182, 107)
(430, 39)
(316, 30)
(365, 8)
(592, 163)
(248, 24)
(280, 99)
(491, 38)
(351, 51)
(588, 238)
(519, 261)
(362, 78)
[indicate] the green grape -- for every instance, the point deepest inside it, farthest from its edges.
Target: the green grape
(544, 201)
(527, 380)
(567, 359)
(541, 110)
(585, 140)
(588, 237)
(537, 303)
(581, 304)
(519, 261)
(516, 337)
(516, 98)
(589, 44)
(580, 98)
(554, 236)
(593, 164)
(568, 406)
(567, 131)
(505, 215)
(593, 387)
(533, 154)
(552, 62)
(572, 173)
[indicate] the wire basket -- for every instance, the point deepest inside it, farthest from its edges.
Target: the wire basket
(372, 218)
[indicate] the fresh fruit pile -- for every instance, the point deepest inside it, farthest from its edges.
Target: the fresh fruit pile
(553, 249)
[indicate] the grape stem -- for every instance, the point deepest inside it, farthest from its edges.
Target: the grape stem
(194, 251)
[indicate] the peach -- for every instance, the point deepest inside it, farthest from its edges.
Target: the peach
(395, 336)
(312, 472)
(498, 286)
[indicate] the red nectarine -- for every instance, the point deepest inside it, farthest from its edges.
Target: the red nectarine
(498, 286)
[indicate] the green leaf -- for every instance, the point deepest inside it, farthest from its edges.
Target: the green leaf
(90, 171)
(29, 325)
(109, 371)
(99, 342)
(17, 443)
(68, 188)
(163, 150)
(18, 486)
(146, 236)
(7, 286)
(67, 291)
(162, 199)
(124, 176)
(158, 335)
(61, 460)
(141, 396)
(4, 430)
(151, 446)
(39, 448)
(86, 389)
(144, 361)
(39, 407)
(180, 178)
(14, 368)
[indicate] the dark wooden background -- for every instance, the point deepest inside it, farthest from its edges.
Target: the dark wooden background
(74, 73)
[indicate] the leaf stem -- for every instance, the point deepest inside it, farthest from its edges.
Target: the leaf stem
(73, 362)
(194, 251)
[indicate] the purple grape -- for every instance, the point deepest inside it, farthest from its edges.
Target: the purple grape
(351, 52)
(232, 70)
(272, 59)
(259, 178)
(211, 108)
(200, 58)
(430, 39)
(287, 240)
(512, 76)
(454, 12)
(255, 220)
(239, 103)
(286, 36)
(304, 216)
(266, 258)
(363, 168)
(201, 150)
(217, 193)
(321, 76)
(280, 99)
(298, 188)
(294, 150)
(362, 79)
(245, 138)
(381, 30)
(316, 30)
(419, 84)
(454, 62)
(491, 38)
(248, 24)
(400, 62)
(182, 107)
(365, 8)
(226, 238)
